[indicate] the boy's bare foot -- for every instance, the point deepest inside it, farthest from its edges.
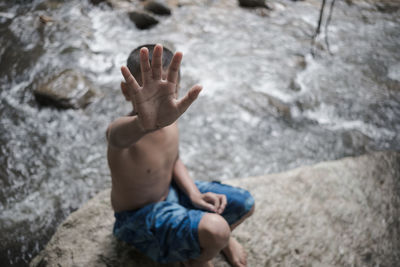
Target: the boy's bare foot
(235, 253)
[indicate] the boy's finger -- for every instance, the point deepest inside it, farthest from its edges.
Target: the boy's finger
(215, 200)
(217, 203)
(223, 204)
(173, 68)
(130, 80)
(211, 208)
(156, 62)
(145, 65)
(125, 87)
(188, 99)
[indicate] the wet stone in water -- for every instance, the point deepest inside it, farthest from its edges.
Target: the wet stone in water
(45, 19)
(142, 20)
(253, 3)
(294, 86)
(68, 89)
(157, 8)
(96, 2)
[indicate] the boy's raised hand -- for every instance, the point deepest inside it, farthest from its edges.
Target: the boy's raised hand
(156, 101)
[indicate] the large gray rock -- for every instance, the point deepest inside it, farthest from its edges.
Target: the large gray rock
(68, 89)
(142, 20)
(253, 3)
(339, 213)
(157, 7)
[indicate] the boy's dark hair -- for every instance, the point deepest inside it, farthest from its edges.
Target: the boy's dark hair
(133, 62)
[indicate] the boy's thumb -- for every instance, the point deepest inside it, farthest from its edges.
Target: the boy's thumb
(188, 99)
(208, 206)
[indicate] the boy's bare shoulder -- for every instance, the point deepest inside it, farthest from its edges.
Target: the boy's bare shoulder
(166, 136)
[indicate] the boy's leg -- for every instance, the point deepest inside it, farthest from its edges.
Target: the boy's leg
(214, 237)
(234, 252)
(214, 234)
(236, 224)
(168, 232)
(240, 207)
(239, 202)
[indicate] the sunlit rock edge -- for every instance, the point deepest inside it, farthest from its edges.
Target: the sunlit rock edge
(337, 213)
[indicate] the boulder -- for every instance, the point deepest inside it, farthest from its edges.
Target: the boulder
(119, 4)
(68, 89)
(338, 213)
(45, 19)
(157, 8)
(96, 2)
(48, 5)
(253, 3)
(142, 20)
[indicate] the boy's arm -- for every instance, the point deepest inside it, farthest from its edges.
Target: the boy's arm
(124, 132)
(209, 201)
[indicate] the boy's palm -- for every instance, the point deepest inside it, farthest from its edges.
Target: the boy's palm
(156, 105)
(156, 102)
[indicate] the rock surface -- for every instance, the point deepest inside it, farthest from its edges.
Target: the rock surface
(253, 3)
(68, 89)
(142, 20)
(96, 2)
(157, 8)
(339, 213)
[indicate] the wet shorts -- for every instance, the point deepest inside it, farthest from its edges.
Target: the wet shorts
(167, 231)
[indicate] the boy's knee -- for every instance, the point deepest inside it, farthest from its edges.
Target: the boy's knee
(251, 210)
(214, 230)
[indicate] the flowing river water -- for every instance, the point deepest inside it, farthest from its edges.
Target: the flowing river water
(268, 104)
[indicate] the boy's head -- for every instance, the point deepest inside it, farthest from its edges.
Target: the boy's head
(133, 62)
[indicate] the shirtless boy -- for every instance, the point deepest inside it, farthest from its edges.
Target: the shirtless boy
(158, 208)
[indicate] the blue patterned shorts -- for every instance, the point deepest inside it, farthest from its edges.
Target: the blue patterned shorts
(167, 231)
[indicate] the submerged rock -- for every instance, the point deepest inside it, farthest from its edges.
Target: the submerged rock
(97, 2)
(45, 19)
(157, 8)
(338, 213)
(68, 89)
(253, 3)
(142, 20)
(48, 5)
